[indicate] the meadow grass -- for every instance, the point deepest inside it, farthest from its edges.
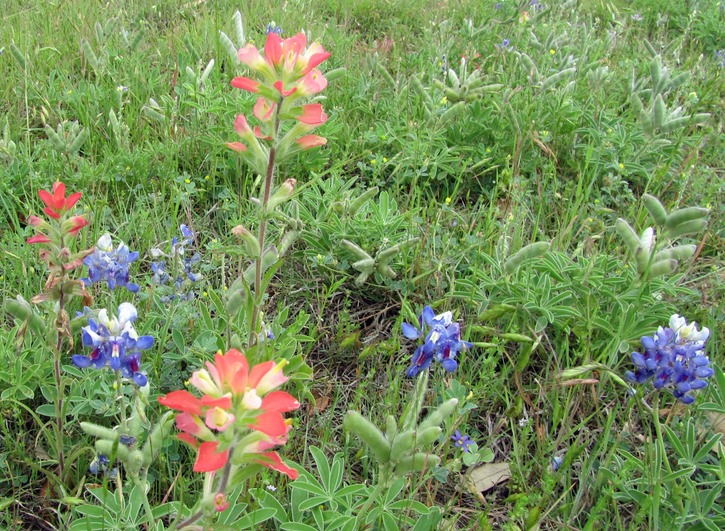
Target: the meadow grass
(548, 145)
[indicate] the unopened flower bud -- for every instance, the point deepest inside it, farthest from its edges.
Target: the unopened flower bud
(283, 193)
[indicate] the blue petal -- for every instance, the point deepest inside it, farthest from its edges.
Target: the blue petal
(449, 364)
(144, 342)
(638, 360)
(410, 331)
(140, 379)
(81, 361)
(427, 315)
(133, 288)
(687, 399)
(648, 343)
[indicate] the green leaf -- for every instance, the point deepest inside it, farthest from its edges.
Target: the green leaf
(47, 410)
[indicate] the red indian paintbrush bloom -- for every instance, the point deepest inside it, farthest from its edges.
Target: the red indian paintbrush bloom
(237, 411)
(56, 203)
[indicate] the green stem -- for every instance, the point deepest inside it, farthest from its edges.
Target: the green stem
(141, 483)
(268, 180)
(59, 416)
(383, 484)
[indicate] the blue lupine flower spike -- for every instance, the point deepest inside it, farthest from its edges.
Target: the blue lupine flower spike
(115, 344)
(442, 341)
(674, 359)
(110, 265)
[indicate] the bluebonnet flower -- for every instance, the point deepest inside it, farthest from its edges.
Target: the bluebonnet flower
(720, 56)
(504, 44)
(461, 441)
(442, 342)
(556, 462)
(272, 27)
(181, 266)
(110, 265)
(99, 466)
(674, 358)
(497, 5)
(115, 344)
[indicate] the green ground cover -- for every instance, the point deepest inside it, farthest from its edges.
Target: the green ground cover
(458, 134)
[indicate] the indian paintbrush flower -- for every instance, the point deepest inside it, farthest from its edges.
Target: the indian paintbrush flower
(285, 71)
(115, 344)
(239, 413)
(442, 341)
(674, 358)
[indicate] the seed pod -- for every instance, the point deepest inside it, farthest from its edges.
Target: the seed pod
(688, 227)
(79, 140)
(354, 249)
(19, 56)
(239, 28)
(153, 444)
(369, 434)
(99, 432)
(656, 71)
(455, 82)
(685, 214)
(386, 271)
(55, 138)
(391, 428)
(385, 74)
(681, 252)
(529, 64)
(658, 112)
(362, 199)
(89, 54)
(655, 209)
(641, 257)
(402, 445)
(366, 265)
(229, 46)
(428, 436)
(636, 103)
(650, 48)
(418, 87)
(663, 267)
(387, 254)
(628, 235)
(19, 308)
(234, 303)
(452, 112)
(417, 463)
(289, 238)
(440, 414)
(112, 448)
(519, 338)
(532, 250)
(559, 76)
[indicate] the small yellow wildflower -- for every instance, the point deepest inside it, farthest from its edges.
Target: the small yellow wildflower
(385, 159)
(621, 166)
(444, 100)
(448, 200)
(206, 177)
(187, 181)
(373, 162)
(552, 51)
(205, 294)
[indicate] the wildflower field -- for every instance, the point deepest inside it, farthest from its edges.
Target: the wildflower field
(362, 265)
